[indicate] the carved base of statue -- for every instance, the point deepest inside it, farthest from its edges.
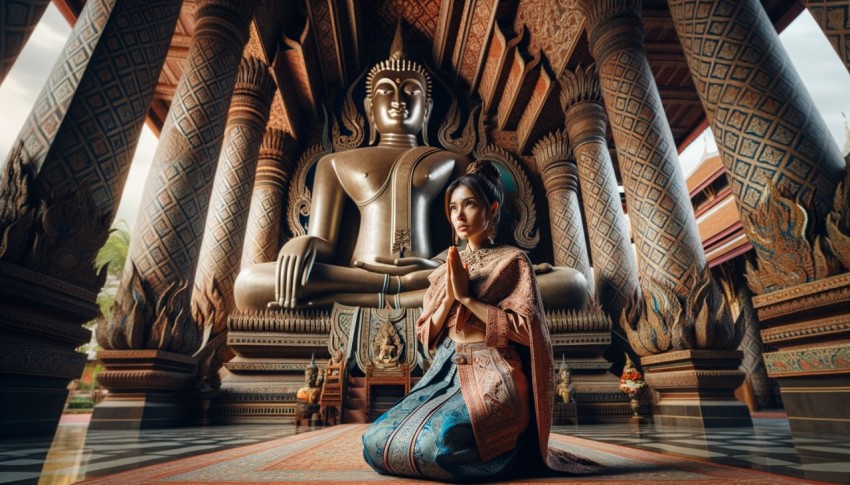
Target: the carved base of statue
(582, 336)
(273, 349)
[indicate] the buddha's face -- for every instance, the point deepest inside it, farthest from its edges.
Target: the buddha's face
(398, 103)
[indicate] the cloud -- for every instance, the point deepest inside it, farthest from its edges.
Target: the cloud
(23, 84)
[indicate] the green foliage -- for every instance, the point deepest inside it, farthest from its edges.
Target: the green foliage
(112, 256)
(114, 250)
(81, 403)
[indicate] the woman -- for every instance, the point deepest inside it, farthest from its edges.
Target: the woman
(471, 415)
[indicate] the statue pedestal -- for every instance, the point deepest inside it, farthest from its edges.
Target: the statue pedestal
(696, 388)
(582, 337)
(273, 348)
(147, 389)
(809, 324)
(40, 326)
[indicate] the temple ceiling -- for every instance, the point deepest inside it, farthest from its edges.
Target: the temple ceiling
(505, 56)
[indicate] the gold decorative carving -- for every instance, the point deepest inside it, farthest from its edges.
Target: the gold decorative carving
(591, 319)
(299, 194)
(465, 143)
(838, 223)
(387, 346)
(287, 321)
(787, 248)
(830, 328)
(352, 121)
(699, 319)
(525, 231)
(804, 298)
(172, 329)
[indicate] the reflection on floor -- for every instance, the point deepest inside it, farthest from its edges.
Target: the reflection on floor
(74, 455)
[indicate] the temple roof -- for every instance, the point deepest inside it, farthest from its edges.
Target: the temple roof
(506, 54)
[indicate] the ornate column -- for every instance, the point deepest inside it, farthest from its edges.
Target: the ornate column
(560, 178)
(151, 338)
(614, 265)
(263, 236)
(785, 171)
(224, 232)
(19, 20)
(833, 16)
(684, 332)
(59, 191)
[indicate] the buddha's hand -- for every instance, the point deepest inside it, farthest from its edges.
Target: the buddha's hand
(294, 263)
(397, 266)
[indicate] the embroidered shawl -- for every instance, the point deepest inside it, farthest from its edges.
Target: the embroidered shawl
(503, 277)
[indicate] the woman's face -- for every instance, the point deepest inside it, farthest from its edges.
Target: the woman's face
(470, 217)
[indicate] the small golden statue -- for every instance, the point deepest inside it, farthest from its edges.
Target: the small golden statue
(309, 393)
(387, 346)
(565, 388)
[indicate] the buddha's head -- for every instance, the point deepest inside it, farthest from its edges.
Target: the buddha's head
(398, 95)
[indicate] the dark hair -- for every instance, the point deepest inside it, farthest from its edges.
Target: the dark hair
(482, 178)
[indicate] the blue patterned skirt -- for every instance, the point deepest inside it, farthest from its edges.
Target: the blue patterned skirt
(428, 433)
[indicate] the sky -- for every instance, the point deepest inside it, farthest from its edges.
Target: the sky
(823, 74)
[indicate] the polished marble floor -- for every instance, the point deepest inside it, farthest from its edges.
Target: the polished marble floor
(73, 454)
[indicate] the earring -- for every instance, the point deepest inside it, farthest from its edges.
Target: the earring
(491, 230)
(454, 237)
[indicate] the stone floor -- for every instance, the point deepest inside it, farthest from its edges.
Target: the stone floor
(73, 454)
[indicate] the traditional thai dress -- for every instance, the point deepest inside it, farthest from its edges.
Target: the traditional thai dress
(469, 416)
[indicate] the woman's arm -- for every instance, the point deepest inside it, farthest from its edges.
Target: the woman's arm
(501, 325)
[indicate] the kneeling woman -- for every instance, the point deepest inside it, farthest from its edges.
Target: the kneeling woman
(473, 414)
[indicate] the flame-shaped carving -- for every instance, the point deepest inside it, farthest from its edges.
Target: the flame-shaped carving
(465, 143)
(17, 214)
(137, 323)
(525, 231)
(780, 230)
(352, 120)
(299, 194)
(209, 309)
(838, 223)
(668, 321)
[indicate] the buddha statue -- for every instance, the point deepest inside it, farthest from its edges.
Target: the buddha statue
(564, 389)
(309, 392)
(393, 185)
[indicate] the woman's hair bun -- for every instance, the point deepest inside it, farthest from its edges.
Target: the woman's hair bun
(485, 168)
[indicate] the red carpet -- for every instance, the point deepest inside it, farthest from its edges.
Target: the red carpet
(334, 455)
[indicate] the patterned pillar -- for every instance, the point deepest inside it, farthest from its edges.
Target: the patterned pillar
(782, 163)
(73, 154)
(674, 275)
(684, 333)
(560, 179)
(151, 317)
(59, 191)
(163, 255)
(263, 237)
(614, 263)
(221, 249)
(833, 16)
(19, 19)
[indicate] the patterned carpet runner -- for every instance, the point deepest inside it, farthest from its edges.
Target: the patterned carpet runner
(334, 455)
